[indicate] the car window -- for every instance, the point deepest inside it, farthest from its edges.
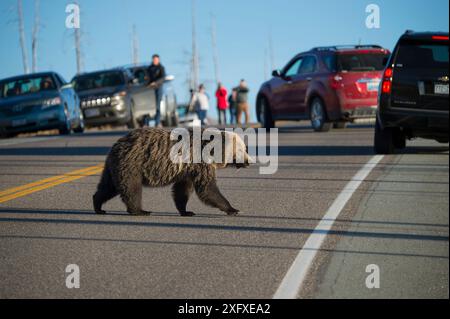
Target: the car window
(308, 65)
(99, 80)
(26, 86)
(294, 68)
(330, 62)
(360, 62)
(139, 74)
(423, 55)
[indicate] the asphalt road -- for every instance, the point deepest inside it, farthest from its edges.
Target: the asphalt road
(396, 219)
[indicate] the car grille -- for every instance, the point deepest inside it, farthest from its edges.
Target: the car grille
(96, 102)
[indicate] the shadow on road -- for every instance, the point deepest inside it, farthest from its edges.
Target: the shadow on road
(219, 216)
(209, 244)
(139, 222)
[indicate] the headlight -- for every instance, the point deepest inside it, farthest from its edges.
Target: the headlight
(120, 94)
(51, 102)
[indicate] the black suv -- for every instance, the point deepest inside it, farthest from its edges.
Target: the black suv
(413, 99)
(107, 97)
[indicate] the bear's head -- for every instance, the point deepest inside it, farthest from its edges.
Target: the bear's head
(234, 152)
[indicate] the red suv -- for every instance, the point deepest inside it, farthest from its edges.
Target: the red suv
(327, 85)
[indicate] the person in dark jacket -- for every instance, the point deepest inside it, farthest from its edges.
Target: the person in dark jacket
(156, 77)
(232, 106)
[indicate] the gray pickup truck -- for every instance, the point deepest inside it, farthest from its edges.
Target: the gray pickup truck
(145, 97)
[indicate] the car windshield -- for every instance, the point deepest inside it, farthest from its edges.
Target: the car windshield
(422, 55)
(360, 62)
(98, 80)
(27, 85)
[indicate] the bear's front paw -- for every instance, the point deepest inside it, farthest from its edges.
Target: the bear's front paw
(232, 212)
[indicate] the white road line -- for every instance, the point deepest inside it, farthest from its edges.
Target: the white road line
(294, 278)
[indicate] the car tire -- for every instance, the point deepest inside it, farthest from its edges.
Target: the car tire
(66, 129)
(132, 123)
(318, 116)
(175, 120)
(384, 139)
(399, 139)
(339, 125)
(265, 114)
(81, 126)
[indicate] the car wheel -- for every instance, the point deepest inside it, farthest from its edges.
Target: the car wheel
(67, 126)
(340, 125)
(318, 116)
(399, 139)
(384, 139)
(132, 123)
(81, 126)
(175, 119)
(265, 114)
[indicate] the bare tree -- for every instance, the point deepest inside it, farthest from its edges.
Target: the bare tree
(34, 40)
(195, 63)
(135, 46)
(22, 37)
(214, 47)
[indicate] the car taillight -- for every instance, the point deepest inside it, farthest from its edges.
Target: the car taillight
(440, 37)
(335, 81)
(386, 86)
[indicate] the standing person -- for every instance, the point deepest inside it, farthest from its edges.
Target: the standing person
(200, 103)
(242, 102)
(222, 104)
(232, 106)
(156, 77)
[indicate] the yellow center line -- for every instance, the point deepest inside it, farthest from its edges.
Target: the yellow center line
(20, 191)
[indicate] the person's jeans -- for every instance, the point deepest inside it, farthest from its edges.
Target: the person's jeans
(232, 111)
(202, 116)
(222, 116)
(158, 96)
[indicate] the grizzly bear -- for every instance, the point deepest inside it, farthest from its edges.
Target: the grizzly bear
(142, 158)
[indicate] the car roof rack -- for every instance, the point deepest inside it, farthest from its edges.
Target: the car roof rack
(343, 47)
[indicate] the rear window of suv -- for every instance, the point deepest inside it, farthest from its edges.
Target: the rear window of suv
(421, 55)
(360, 62)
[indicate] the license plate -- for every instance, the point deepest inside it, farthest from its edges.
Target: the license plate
(373, 86)
(19, 122)
(91, 112)
(441, 89)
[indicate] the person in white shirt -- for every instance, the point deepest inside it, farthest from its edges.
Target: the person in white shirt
(200, 103)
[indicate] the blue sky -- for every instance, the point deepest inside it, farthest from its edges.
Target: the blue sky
(243, 28)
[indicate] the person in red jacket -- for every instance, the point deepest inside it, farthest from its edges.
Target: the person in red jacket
(222, 103)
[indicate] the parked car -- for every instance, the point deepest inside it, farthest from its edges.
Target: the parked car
(413, 99)
(187, 117)
(327, 85)
(145, 101)
(106, 97)
(39, 101)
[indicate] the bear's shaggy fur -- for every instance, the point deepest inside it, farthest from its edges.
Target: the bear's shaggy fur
(142, 158)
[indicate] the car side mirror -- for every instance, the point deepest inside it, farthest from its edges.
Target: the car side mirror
(276, 73)
(385, 60)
